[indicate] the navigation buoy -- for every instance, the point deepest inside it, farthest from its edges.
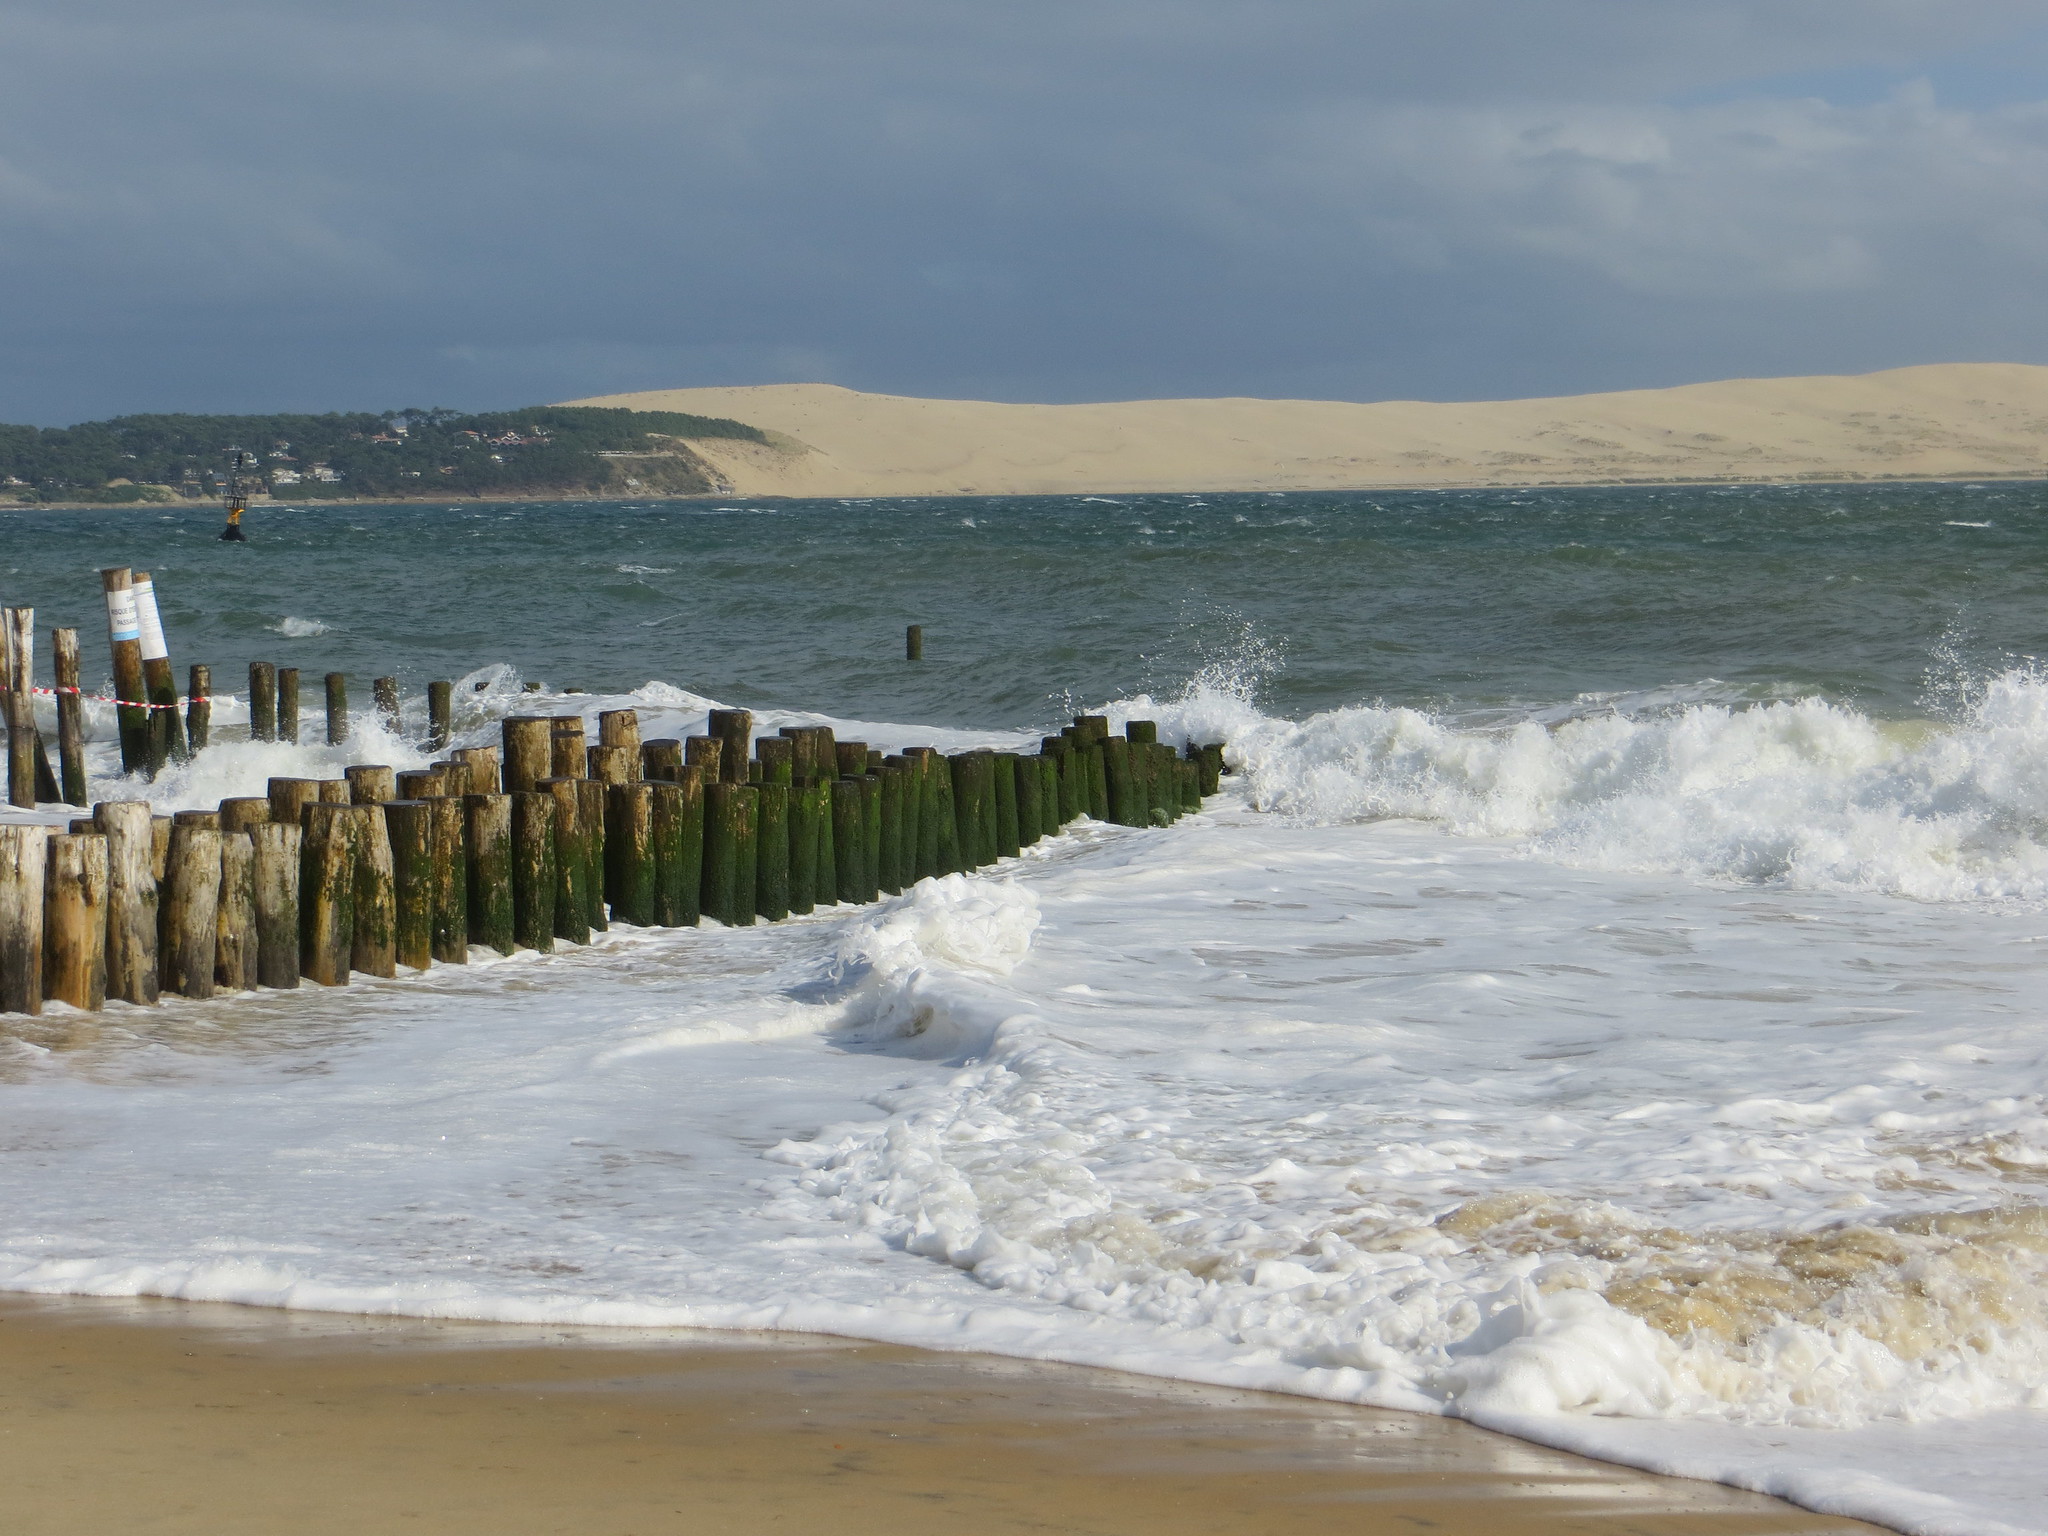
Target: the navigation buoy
(236, 497)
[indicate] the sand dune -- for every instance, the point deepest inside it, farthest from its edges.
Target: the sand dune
(1947, 420)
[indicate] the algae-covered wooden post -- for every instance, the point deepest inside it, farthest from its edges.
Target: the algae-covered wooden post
(199, 707)
(262, 701)
(662, 759)
(326, 894)
(889, 879)
(849, 759)
(533, 870)
(568, 747)
(488, 829)
(629, 858)
(806, 810)
(440, 714)
(337, 708)
(24, 868)
(621, 728)
(913, 643)
(849, 840)
(771, 851)
(572, 860)
(19, 648)
(677, 838)
(1116, 762)
(131, 899)
(730, 856)
(384, 696)
(707, 753)
(410, 826)
(1030, 815)
(288, 704)
(70, 717)
(735, 729)
(450, 815)
(276, 858)
(969, 788)
(370, 783)
(591, 801)
(529, 751)
(373, 941)
(166, 730)
(614, 764)
(1212, 767)
(234, 932)
(1009, 832)
(189, 917)
(777, 756)
(124, 640)
(75, 920)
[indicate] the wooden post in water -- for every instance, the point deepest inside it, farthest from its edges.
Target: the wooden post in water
(190, 916)
(70, 717)
(913, 643)
(529, 752)
(334, 791)
(572, 859)
(74, 920)
(199, 707)
(288, 704)
(370, 783)
(337, 708)
(679, 853)
(591, 802)
(373, 940)
(771, 850)
(275, 854)
(922, 856)
(410, 826)
(484, 773)
(288, 797)
(440, 714)
(533, 869)
(973, 787)
(326, 894)
(628, 856)
(24, 867)
(568, 747)
(849, 841)
(662, 759)
(489, 839)
(131, 899)
(124, 637)
(234, 935)
(707, 753)
(166, 731)
(384, 696)
(614, 764)
(421, 784)
(777, 756)
(1212, 767)
(849, 759)
(1009, 831)
(728, 827)
(621, 728)
(451, 879)
(735, 728)
(1030, 823)
(20, 642)
(262, 701)
(806, 807)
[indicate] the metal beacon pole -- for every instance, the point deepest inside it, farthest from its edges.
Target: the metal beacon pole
(236, 496)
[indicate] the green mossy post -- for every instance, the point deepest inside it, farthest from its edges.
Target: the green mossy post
(529, 751)
(384, 698)
(288, 704)
(450, 936)
(276, 857)
(849, 840)
(662, 759)
(777, 756)
(534, 874)
(870, 835)
(70, 717)
(771, 850)
(234, 931)
(75, 920)
(590, 802)
(1098, 780)
(628, 853)
(735, 730)
(621, 728)
(909, 855)
(1141, 730)
(373, 943)
(1009, 826)
(572, 860)
(1030, 800)
(849, 759)
(806, 806)
(262, 701)
(1190, 787)
(370, 783)
(1212, 767)
(706, 753)
(337, 708)
(326, 895)
(487, 829)
(728, 825)
(966, 811)
(665, 849)
(440, 715)
(688, 850)
(410, 826)
(199, 707)
(826, 885)
(889, 853)
(913, 642)
(946, 815)
(1123, 797)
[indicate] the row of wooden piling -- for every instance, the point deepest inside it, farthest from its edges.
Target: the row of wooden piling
(545, 837)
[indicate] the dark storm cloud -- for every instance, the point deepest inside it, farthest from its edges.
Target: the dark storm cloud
(234, 205)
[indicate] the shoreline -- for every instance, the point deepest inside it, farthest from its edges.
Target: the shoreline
(205, 1417)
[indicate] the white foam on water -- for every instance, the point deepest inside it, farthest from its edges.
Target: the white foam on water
(1589, 1079)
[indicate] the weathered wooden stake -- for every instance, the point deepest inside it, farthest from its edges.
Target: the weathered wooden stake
(19, 646)
(849, 759)
(289, 796)
(616, 764)
(373, 941)
(410, 826)
(74, 920)
(337, 708)
(707, 753)
(1009, 828)
(1212, 767)
(24, 867)
(166, 730)
(451, 879)
(124, 639)
(913, 643)
(628, 856)
(621, 728)
(334, 791)
(199, 707)
(70, 717)
(276, 859)
(234, 935)
(662, 759)
(384, 696)
(326, 894)
(777, 756)
(728, 828)
(421, 784)
(734, 728)
(484, 773)
(533, 869)
(131, 899)
(677, 830)
(489, 841)
(771, 851)
(849, 840)
(591, 802)
(370, 783)
(440, 715)
(189, 920)
(1116, 763)
(529, 753)
(806, 804)
(572, 860)
(262, 701)
(288, 704)
(568, 747)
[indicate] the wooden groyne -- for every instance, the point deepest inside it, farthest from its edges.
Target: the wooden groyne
(543, 839)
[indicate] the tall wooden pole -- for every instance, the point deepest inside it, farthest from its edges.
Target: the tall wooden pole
(70, 716)
(166, 730)
(21, 719)
(124, 638)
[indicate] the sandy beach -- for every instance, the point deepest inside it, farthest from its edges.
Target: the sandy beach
(170, 1417)
(1956, 420)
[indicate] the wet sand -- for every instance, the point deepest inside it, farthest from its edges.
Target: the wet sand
(167, 1417)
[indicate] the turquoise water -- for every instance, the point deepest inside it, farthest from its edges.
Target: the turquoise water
(1460, 600)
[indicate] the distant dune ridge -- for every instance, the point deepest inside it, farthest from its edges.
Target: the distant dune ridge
(1949, 420)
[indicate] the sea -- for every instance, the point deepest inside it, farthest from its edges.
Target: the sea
(1608, 1001)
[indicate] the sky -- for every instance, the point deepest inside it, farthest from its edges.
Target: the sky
(216, 206)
